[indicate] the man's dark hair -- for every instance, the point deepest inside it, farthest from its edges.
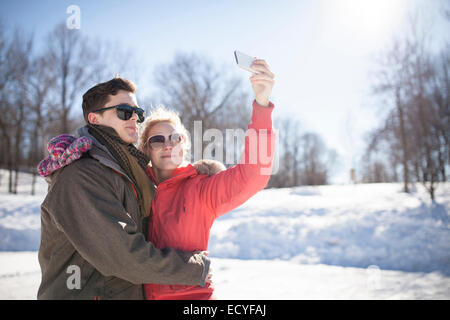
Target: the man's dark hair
(97, 96)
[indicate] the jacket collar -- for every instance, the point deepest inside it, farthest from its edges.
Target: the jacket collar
(178, 174)
(101, 153)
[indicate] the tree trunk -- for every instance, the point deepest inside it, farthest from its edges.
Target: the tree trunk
(33, 182)
(16, 179)
(403, 141)
(10, 182)
(429, 167)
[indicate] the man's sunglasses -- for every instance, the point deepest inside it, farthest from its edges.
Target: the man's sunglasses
(158, 141)
(125, 112)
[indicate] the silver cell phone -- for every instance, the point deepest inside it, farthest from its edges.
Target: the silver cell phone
(244, 61)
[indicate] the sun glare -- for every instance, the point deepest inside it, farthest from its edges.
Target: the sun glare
(373, 18)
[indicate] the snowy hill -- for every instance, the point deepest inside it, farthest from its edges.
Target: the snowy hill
(345, 225)
(367, 227)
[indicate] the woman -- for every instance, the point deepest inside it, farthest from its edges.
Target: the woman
(187, 203)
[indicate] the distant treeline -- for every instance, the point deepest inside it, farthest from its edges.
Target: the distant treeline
(40, 97)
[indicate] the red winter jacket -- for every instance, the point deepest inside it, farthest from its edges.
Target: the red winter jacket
(186, 205)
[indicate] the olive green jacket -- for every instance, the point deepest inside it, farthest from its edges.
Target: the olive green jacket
(92, 238)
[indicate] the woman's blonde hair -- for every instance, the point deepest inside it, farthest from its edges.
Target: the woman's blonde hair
(158, 115)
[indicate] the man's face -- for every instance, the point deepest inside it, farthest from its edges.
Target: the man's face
(126, 129)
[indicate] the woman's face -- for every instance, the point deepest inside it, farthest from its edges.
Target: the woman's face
(169, 154)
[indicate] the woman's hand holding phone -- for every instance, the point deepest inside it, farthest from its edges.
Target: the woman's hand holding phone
(262, 82)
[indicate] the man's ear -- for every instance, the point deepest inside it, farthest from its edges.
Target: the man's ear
(92, 118)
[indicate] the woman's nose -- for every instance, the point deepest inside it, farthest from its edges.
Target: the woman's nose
(167, 144)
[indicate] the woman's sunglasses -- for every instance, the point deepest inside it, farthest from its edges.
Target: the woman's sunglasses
(158, 141)
(125, 112)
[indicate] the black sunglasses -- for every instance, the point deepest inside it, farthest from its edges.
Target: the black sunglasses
(158, 141)
(125, 112)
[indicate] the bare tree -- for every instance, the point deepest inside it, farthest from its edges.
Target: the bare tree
(440, 98)
(40, 81)
(6, 74)
(313, 160)
(445, 9)
(288, 175)
(39, 90)
(200, 92)
(74, 62)
(392, 78)
(303, 157)
(418, 126)
(14, 55)
(112, 58)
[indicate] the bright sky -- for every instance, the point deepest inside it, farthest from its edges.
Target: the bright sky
(321, 51)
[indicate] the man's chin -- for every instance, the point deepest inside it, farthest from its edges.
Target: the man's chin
(131, 138)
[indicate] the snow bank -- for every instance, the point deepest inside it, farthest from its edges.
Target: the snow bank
(20, 222)
(346, 225)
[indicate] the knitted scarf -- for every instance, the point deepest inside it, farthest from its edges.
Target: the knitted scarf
(131, 160)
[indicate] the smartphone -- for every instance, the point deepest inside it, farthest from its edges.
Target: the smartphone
(244, 61)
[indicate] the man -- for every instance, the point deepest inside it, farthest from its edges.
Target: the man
(93, 218)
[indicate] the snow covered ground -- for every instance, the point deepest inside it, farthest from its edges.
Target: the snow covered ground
(368, 241)
(264, 280)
